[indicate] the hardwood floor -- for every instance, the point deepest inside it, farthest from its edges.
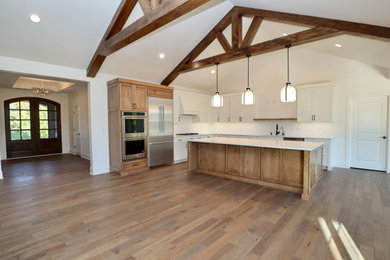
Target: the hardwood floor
(53, 209)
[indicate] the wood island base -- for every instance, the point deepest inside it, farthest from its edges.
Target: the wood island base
(292, 170)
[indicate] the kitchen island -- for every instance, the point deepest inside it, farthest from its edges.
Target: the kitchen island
(289, 165)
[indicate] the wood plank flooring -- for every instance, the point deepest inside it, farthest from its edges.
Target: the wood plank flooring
(51, 208)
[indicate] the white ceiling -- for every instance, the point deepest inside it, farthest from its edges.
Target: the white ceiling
(71, 30)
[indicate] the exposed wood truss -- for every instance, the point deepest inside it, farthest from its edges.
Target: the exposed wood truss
(157, 14)
(321, 28)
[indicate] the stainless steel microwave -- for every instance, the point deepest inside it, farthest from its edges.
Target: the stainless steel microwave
(134, 124)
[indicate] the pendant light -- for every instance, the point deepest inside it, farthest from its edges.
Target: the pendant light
(288, 93)
(248, 98)
(217, 99)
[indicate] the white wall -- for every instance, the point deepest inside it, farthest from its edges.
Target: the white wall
(351, 78)
(79, 98)
(6, 94)
(97, 103)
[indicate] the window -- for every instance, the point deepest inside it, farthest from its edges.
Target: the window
(47, 120)
(20, 120)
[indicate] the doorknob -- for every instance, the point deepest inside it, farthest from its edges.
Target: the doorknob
(384, 137)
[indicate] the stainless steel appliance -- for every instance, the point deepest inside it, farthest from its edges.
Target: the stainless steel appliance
(134, 124)
(160, 127)
(134, 148)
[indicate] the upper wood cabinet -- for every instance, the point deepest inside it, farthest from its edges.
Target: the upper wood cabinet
(133, 98)
(314, 103)
(130, 95)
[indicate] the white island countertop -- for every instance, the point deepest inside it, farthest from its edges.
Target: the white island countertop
(267, 143)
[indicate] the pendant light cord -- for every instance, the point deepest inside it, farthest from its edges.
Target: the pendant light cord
(288, 63)
(217, 76)
(248, 56)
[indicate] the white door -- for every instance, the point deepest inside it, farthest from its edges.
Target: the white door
(76, 131)
(368, 133)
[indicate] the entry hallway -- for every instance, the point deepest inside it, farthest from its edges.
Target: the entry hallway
(51, 208)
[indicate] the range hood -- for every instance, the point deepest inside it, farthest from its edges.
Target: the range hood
(188, 105)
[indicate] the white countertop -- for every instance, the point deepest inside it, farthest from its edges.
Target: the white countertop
(259, 136)
(267, 143)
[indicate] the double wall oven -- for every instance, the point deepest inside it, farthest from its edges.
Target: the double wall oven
(134, 135)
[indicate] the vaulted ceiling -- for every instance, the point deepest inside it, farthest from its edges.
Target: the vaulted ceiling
(70, 32)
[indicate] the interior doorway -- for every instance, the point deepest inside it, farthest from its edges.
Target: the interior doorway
(76, 131)
(368, 132)
(32, 127)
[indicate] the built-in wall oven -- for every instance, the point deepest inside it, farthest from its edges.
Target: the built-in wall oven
(134, 124)
(134, 135)
(134, 148)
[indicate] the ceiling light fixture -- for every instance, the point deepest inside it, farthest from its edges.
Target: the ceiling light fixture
(161, 55)
(212, 71)
(217, 99)
(41, 91)
(248, 98)
(288, 93)
(34, 18)
(284, 34)
(338, 45)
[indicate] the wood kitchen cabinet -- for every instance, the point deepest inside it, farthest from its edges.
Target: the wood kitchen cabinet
(314, 103)
(133, 98)
(128, 96)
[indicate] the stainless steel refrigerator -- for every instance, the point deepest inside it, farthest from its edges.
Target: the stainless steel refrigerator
(160, 131)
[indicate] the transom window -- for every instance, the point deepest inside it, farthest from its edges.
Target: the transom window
(20, 120)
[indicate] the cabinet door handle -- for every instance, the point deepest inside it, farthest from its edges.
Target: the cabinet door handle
(134, 105)
(218, 119)
(314, 117)
(229, 119)
(240, 118)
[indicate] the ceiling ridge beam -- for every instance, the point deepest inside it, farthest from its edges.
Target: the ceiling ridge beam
(298, 19)
(223, 41)
(117, 22)
(252, 31)
(200, 47)
(310, 35)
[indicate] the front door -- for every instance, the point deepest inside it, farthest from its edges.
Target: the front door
(368, 133)
(33, 127)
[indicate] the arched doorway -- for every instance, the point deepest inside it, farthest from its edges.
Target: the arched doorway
(32, 127)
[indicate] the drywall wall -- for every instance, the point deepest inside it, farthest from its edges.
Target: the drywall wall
(79, 98)
(350, 78)
(6, 94)
(97, 103)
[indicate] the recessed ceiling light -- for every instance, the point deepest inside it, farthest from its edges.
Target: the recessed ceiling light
(212, 71)
(284, 34)
(34, 18)
(338, 45)
(161, 55)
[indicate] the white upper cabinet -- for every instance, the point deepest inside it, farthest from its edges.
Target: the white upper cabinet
(240, 112)
(191, 104)
(224, 113)
(314, 103)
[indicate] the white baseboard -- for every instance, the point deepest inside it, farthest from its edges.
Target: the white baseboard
(1, 175)
(97, 171)
(85, 156)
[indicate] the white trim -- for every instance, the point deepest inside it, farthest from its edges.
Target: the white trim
(1, 174)
(348, 138)
(85, 156)
(94, 171)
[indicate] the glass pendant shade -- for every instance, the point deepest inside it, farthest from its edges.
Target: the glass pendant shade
(288, 93)
(248, 98)
(217, 100)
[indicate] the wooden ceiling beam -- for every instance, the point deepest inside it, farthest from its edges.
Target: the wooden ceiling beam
(145, 6)
(223, 41)
(360, 29)
(116, 24)
(252, 31)
(167, 12)
(199, 48)
(236, 30)
(157, 17)
(314, 34)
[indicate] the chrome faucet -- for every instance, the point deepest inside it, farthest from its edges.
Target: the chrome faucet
(277, 132)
